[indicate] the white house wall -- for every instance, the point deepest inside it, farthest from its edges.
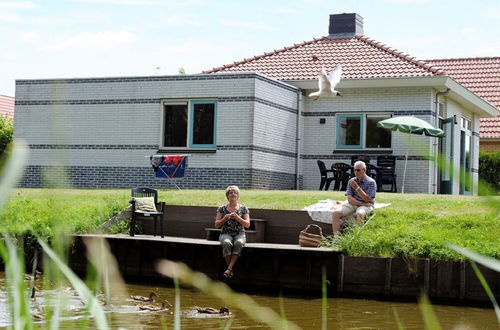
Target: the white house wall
(101, 129)
(319, 139)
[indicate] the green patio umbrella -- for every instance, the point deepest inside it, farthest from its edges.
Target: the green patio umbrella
(411, 125)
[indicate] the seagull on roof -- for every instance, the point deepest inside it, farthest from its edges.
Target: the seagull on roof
(327, 83)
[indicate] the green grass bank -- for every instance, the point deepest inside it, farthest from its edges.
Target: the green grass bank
(415, 225)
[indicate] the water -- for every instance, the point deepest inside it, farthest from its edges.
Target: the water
(306, 313)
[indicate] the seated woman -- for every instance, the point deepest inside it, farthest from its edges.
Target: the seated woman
(232, 218)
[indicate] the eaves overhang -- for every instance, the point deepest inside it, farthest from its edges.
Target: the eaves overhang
(441, 83)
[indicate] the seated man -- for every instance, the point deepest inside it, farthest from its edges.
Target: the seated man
(360, 198)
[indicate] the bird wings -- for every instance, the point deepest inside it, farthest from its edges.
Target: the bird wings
(327, 82)
(334, 77)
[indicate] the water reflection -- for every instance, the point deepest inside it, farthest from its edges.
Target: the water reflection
(306, 313)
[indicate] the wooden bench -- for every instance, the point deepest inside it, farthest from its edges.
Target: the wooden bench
(255, 234)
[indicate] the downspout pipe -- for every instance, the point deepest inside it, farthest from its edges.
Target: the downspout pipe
(297, 140)
(436, 122)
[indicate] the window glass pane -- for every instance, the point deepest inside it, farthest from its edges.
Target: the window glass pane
(349, 131)
(203, 123)
(175, 125)
(377, 137)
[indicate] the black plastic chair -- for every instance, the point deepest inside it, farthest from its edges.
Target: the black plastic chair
(375, 173)
(355, 158)
(342, 175)
(387, 172)
(136, 214)
(325, 179)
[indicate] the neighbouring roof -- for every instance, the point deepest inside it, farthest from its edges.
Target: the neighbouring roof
(7, 106)
(360, 56)
(481, 75)
(490, 128)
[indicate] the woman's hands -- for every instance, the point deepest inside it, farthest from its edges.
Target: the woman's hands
(221, 219)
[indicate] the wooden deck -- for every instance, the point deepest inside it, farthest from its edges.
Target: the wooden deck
(202, 241)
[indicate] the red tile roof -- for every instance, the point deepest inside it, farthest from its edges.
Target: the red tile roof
(490, 128)
(360, 57)
(7, 106)
(480, 75)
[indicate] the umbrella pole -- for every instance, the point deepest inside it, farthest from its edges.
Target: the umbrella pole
(404, 174)
(406, 161)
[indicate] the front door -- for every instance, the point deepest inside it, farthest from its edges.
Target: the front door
(446, 156)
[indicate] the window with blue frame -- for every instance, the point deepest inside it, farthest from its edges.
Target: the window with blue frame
(189, 124)
(360, 131)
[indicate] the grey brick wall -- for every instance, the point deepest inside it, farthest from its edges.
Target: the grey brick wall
(127, 177)
(101, 129)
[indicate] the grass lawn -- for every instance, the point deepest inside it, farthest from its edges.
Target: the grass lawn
(415, 225)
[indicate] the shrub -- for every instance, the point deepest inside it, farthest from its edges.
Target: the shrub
(6, 131)
(489, 169)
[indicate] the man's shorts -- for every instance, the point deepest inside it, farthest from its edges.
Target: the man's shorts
(348, 209)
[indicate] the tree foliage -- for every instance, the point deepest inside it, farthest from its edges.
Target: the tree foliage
(6, 132)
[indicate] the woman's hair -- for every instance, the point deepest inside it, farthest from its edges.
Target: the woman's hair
(232, 188)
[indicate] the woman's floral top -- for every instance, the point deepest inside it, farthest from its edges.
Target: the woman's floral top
(232, 226)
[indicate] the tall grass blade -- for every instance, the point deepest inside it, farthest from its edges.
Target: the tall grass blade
(177, 306)
(20, 315)
(479, 258)
(100, 256)
(228, 324)
(85, 294)
(12, 169)
(486, 288)
(324, 301)
(430, 320)
(282, 312)
(221, 291)
(398, 320)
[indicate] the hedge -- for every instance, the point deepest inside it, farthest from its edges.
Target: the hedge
(489, 169)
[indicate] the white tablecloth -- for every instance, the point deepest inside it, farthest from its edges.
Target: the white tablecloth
(322, 210)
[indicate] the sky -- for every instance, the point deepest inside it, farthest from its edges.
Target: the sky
(42, 39)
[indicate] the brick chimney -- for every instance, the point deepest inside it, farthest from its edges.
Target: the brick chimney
(345, 25)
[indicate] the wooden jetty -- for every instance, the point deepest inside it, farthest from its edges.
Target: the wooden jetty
(278, 263)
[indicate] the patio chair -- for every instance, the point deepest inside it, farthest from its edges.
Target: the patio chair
(146, 214)
(363, 158)
(342, 175)
(375, 173)
(387, 170)
(325, 179)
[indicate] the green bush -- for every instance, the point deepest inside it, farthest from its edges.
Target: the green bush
(489, 169)
(6, 131)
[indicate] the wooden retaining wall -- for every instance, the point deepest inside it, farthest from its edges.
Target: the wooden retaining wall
(280, 264)
(286, 267)
(282, 226)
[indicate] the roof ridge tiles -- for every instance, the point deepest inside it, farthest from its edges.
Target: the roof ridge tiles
(399, 54)
(256, 57)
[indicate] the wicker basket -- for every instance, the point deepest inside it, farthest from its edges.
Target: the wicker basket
(308, 239)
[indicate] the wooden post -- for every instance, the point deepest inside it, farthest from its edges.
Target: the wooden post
(387, 284)
(340, 282)
(426, 275)
(462, 280)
